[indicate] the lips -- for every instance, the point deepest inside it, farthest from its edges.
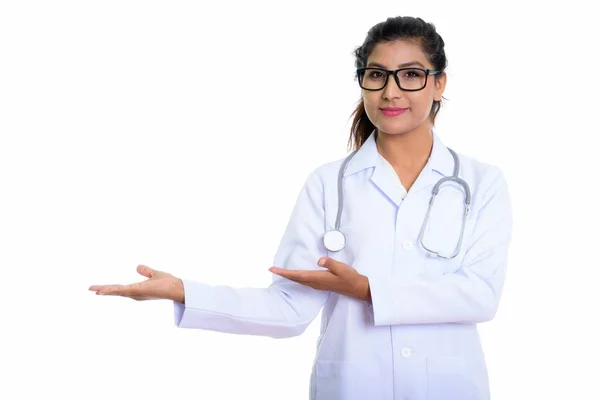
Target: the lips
(392, 111)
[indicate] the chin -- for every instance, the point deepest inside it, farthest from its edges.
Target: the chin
(404, 126)
(396, 129)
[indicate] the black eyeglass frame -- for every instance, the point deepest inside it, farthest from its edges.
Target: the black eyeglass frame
(362, 71)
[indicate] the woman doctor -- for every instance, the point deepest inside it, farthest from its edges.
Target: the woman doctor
(403, 245)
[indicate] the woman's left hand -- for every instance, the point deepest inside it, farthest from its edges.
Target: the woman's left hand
(339, 277)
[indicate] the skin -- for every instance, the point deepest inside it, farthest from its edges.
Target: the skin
(159, 285)
(404, 140)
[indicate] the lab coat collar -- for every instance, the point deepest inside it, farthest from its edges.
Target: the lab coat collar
(440, 160)
(439, 164)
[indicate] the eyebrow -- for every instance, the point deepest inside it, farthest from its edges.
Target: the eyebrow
(406, 64)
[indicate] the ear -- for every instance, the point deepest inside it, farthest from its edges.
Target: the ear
(440, 86)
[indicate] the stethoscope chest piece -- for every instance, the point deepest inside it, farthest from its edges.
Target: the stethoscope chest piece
(334, 240)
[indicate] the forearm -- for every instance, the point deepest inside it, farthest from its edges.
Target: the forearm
(417, 301)
(177, 291)
(472, 293)
(282, 310)
(363, 289)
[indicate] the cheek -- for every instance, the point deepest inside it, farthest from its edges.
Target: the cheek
(421, 105)
(371, 106)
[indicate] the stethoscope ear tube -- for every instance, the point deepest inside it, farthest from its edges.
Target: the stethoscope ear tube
(335, 240)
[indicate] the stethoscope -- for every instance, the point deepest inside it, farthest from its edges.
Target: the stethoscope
(334, 240)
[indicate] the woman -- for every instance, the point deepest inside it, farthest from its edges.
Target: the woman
(402, 298)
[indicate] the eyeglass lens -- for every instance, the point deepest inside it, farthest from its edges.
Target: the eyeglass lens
(410, 79)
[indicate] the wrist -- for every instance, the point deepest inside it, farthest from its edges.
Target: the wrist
(364, 290)
(177, 291)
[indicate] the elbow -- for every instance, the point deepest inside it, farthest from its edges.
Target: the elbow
(295, 325)
(297, 316)
(477, 309)
(288, 331)
(486, 311)
(487, 306)
(485, 314)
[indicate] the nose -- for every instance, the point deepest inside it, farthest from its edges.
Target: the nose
(392, 89)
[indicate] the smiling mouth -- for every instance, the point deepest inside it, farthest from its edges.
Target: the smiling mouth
(393, 111)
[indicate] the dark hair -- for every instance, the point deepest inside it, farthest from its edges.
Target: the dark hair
(406, 28)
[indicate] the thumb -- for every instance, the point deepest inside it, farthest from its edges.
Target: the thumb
(337, 267)
(146, 271)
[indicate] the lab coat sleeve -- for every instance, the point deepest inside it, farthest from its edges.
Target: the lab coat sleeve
(468, 295)
(285, 308)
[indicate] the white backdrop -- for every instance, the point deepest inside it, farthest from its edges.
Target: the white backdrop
(178, 135)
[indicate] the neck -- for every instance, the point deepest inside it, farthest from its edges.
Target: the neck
(408, 151)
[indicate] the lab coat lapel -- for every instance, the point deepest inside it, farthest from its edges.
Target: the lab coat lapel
(387, 181)
(365, 157)
(368, 156)
(439, 164)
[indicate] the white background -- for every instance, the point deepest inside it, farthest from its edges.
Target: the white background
(178, 135)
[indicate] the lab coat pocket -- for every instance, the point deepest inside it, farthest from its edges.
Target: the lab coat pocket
(348, 381)
(457, 377)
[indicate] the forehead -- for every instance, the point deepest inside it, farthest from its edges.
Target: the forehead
(392, 54)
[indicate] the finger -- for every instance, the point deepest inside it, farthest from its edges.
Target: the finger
(146, 271)
(315, 279)
(321, 280)
(337, 267)
(116, 290)
(295, 275)
(95, 288)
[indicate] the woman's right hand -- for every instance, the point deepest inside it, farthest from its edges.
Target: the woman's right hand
(159, 285)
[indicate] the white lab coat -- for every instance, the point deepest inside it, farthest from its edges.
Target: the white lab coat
(418, 339)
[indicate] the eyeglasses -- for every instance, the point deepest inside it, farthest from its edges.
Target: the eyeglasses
(408, 79)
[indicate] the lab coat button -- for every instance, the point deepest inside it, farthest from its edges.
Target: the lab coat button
(406, 352)
(407, 245)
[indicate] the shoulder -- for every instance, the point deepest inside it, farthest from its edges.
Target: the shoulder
(478, 173)
(487, 183)
(325, 173)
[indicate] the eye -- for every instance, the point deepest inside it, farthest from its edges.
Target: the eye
(413, 74)
(375, 74)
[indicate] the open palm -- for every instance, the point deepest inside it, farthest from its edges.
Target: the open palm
(159, 285)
